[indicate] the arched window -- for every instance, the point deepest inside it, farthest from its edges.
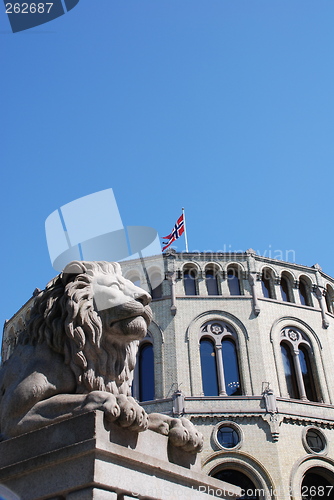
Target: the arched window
(304, 292)
(286, 288)
(156, 285)
(296, 351)
(330, 299)
(211, 281)
(209, 368)
(190, 281)
(238, 478)
(143, 376)
(267, 282)
(146, 371)
(289, 371)
(231, 369)
(305, 365)
(219, 360)
(233, 280)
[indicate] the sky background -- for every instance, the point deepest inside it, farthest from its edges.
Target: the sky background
(224, 107)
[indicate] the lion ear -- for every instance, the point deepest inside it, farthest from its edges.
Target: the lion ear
(74, 267)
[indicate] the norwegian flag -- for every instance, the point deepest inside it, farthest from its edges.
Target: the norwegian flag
(178, 230)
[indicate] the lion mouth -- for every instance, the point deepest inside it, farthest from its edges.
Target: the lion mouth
(146, 314)
(130, 320)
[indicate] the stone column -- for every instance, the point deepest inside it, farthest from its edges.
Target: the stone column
(220, 370)
(252, 275)
(171, 278)
(319, 291)
(201, 284)
(299, 375)
(252, 282)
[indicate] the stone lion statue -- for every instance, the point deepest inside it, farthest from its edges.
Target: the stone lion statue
(78, 353)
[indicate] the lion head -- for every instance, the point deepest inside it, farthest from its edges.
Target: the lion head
(95, 317)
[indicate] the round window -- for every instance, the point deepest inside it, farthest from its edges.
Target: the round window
(315, 440)
(227, 436)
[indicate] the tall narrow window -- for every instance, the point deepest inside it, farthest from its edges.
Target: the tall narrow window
(209, 368)
(267, 283)
(189, 280)
(265, 287)
(289, 370)
(211, 282)
(284, 289)
(219, 360)
(304, 293)
(233, 281)
(231, 370)
(146, 372)
(156, 285)
(330, 299)
(305, 366)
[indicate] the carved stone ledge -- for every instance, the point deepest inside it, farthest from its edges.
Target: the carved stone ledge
(323, 424)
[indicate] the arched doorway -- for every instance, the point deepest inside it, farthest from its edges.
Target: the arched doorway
(317, 484)
(240, 479)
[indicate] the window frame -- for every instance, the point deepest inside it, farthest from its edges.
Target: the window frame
(212, 269)
(235, 427)
(287, 279)
(188, 269)
(270, 278)
(329, 299)
(322, 436)
(210, 331)
(295, 340)
(237, 274)
(136, 389)
(307, 289)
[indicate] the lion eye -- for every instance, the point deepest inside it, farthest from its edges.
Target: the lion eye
(115, 285)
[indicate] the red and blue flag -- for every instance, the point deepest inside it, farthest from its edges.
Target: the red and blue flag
(177, 231)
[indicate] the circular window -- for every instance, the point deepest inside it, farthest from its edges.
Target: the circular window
(314, 441)
(227, 435)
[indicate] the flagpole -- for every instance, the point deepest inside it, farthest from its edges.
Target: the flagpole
(185, 230)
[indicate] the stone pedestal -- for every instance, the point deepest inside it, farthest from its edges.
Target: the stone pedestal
(83, 458)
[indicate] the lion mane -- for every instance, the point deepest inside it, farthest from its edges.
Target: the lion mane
(64, 315)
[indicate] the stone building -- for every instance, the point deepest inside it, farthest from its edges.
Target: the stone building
(242, 345)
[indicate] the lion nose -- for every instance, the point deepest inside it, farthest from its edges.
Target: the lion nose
(143, 297)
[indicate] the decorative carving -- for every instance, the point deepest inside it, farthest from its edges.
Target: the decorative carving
(78, 354)
(216, 329)
(274, 420)
(293, 335)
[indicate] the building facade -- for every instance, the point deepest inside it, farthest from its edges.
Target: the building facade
(243, 346)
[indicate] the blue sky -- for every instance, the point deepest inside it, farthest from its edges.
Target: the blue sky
(224, 107)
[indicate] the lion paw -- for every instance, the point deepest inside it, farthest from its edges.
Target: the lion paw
(105, 401)
(132, 415)
(184, 434)
(181, 431)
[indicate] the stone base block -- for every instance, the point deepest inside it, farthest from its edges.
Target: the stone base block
(83, 458)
